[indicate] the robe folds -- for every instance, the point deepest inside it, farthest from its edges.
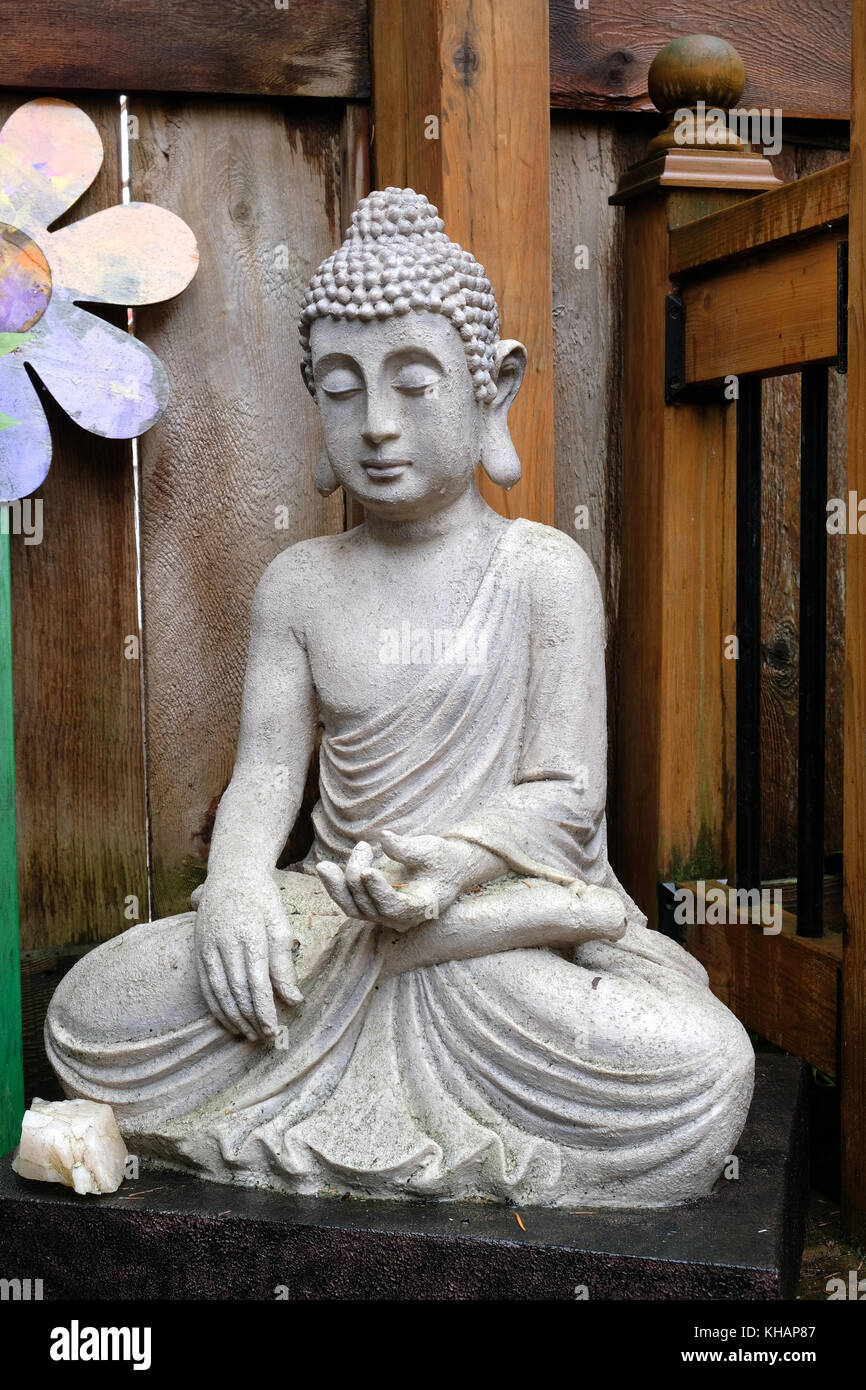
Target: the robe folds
(604, 1075)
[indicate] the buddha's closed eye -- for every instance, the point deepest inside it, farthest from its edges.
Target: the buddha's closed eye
(415, 378)
(412, 379)
(341, 382)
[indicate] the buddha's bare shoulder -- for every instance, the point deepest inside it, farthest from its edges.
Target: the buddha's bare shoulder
(553, 564)
(303, 574)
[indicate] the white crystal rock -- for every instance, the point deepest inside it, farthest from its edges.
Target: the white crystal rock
(75, 1142)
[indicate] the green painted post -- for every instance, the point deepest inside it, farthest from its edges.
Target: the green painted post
(11, 1074)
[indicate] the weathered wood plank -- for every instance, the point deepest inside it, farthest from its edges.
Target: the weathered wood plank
(772, 315)
(78, 743)
(354, 185)
(587, 156)
(804, 205)
(780, 623)
(312, 48)
(227, 475)
(796, 52)
(354, 160)
(480, 68)
(784, 987)
(854, 861)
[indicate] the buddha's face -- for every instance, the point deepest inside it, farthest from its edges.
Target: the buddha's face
(402, 425)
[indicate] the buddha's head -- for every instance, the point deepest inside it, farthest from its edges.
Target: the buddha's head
(401, 351)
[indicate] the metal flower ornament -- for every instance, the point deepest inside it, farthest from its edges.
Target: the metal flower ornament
(131, 254)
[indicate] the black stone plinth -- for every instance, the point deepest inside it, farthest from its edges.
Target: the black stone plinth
(169, 1236)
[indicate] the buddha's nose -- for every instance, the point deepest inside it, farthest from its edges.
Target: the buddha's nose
(379, 425)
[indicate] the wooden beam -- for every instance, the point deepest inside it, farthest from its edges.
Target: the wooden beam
(11, 1077)
(313, 48)
(809, 204)
(772, 314)
(796, 52)
(854, 852)
(784, 987)
(480, 69)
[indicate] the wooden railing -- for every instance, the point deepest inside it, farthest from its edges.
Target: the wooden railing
(760, 290)
(730, 287)
(759, 282)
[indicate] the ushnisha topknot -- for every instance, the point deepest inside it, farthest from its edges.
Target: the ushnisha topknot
(396, 258)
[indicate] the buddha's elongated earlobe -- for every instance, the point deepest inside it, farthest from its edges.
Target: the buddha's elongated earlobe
(498, 455)
(324, 477)
(499, 458)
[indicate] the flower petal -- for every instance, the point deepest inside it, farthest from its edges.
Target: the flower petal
(25, 280)
(50, 152)
(106, 380)
(25, 439)
(135, 253)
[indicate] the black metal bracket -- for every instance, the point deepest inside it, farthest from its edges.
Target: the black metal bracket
(675, 348)
(667, 922)
(841, 306)
(677, 390)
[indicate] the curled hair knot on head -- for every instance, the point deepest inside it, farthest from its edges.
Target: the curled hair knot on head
(396, 258)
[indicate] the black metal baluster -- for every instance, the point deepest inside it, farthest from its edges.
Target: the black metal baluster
(749, 633)
(813, 648)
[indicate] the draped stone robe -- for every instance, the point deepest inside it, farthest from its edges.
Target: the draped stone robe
(610, 1078)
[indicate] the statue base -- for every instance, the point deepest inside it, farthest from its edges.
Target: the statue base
(171, 1236)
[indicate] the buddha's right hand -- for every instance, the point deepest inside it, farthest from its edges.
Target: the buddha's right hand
(598, 914)
(243, 945)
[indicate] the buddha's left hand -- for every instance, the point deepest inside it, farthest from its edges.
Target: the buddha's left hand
(433, 872)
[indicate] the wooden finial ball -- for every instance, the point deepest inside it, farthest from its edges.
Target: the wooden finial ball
(698, 67)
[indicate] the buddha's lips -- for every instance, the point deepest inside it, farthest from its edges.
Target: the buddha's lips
(385, 468)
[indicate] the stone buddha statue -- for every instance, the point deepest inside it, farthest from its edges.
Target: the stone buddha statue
(452, 996)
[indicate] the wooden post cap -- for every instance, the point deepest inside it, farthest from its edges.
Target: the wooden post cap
(686, 72)
(698, 67)
(696, 82)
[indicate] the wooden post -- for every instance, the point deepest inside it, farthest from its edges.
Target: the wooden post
(854, 840)
(676, 730)
(461, 108)
(11, 1077)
